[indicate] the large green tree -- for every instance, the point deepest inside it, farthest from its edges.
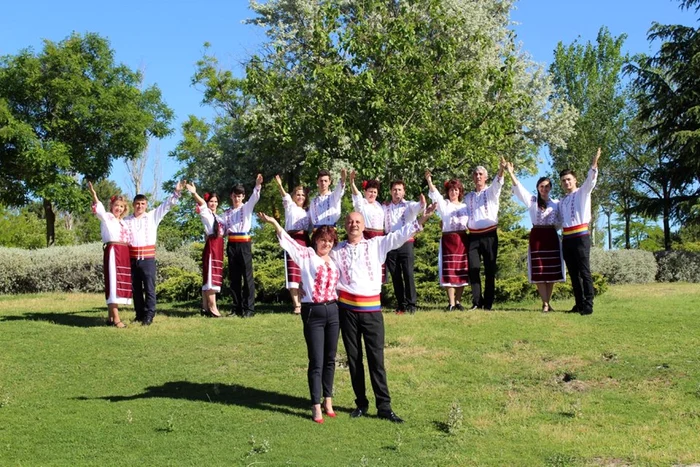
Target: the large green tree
(388, 88)
(667, 90)
(589, 77)
(67, 113)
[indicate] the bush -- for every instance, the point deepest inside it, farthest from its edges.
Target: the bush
(178, 285)
(67, 269)
(624, 266)
(678, 266)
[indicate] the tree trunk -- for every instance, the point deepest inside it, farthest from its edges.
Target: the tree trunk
(50, 223)
(667, 222)
(609, 214)
(628, 221)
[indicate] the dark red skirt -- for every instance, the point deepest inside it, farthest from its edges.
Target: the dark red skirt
(293, 273)
(117, 271)
(213, 263)
(545, 260)
(454, 265)
(371, 234)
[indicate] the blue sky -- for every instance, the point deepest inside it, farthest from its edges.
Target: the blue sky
(165, 38)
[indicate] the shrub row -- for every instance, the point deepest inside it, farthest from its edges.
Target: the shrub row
(69, 269)
(624, 266)
(675, 266)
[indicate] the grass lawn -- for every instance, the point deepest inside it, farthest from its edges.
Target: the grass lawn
(509, 387)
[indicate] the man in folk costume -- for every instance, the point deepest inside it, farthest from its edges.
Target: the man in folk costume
(398, 213)
(239, 220)
(482, 205)
(143, 232)
(575, 213)
(324, 209)
(360, 261)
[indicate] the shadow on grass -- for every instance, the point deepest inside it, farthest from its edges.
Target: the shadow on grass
(229, 394)
(76, 319)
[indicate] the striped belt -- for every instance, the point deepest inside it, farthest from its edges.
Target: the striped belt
(576, 231)
(483, 231)
(360, 303)
(312, 304)
(239, 237)
(142, 252)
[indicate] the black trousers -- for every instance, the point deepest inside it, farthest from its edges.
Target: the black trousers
(321, 331)
(399, 263)
(577, 255)
(370, 326)
(483, 246)
(143, 284)
(240, 269)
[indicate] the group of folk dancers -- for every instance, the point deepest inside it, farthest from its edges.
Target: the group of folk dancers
(336, 285)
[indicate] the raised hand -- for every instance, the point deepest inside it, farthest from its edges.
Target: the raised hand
(191, 188)
(258, 180)
(595, 160)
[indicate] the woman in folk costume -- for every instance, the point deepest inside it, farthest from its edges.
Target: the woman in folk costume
(117, 265)
(545, 265)
(213, 253)
(296, 224)
(372, 210)
(452, 263)
(319, 310)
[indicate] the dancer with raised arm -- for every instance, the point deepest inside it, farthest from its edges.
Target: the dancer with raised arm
(372, 211)
(116, 264)
(319, 310)
(143, 227)
(213, 253)
(239, 220)
(359, 261)
(296, 224)
(575, 211)
(453, 264)
(399, 262)
(545, 262)
(483, 204)
(324, 209)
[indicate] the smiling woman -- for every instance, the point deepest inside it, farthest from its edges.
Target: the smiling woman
(319, 310)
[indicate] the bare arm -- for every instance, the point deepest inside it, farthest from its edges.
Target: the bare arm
(193, 190)
(95, 199)
(280, 188)
(429, 179)
(595, 160)
(355, 191)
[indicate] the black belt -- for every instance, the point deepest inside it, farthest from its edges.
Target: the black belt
(330, 302)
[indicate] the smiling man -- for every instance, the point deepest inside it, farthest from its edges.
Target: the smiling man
(359, 261)
(143, 232)
(575, 212)
(324, 209)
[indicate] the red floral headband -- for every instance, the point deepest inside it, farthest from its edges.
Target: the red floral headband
(207, 196)
(447, 182)
(113, 199)
(364, 184)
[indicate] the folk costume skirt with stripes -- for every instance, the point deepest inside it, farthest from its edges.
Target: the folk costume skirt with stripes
(545, 259)
(213, 263)
(453, 263)
(117, 272)
(292, 271)
(371, 233)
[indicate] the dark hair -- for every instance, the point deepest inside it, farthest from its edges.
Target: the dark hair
(397, 182)
(367, 184)
(540, 202)
(566, 172)
(140, 197)
(324, 232)
(237, 190)
(323, 173)
(306, 195)
(210, 195)
(454, 183)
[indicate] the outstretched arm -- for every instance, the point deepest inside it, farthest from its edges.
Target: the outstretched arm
(511, 172)
(95, 199)
(270, 220)
(429, 210)
(280, 188)
(501, 167)
(258, 181)
(193, 190)
(595, 160)
(429, 179)
(355, 191)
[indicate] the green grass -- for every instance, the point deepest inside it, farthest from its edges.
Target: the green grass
(620, 387)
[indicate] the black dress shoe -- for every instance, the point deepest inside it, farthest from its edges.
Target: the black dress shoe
(411, 310)
(474, 308)
(573, 310)
(358, 412)
(146, 322)
(587, 312)
(459, 307)
(389, 415)
(450, 308)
